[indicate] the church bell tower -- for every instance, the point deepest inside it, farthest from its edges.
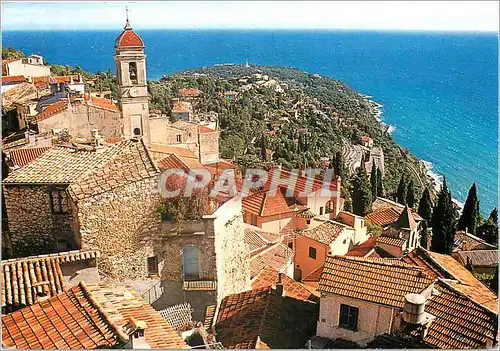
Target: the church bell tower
(132, 92)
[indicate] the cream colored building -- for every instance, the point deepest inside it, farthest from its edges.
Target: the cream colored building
(31, 66)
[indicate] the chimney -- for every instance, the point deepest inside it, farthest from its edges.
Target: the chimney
(136, 334)
(280, 289)
(96, 138)
(41, 294)
(80, 78)
(414, 314)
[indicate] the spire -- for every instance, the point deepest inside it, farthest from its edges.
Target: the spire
(127, 23)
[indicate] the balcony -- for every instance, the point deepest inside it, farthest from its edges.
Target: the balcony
(200, 282)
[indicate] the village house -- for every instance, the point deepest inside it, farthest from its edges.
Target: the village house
(9, 82)
(468, 242)
(89, 317)
(191, 95)
(31, 279)
(481, 261)
(182, 110)
(30, 66)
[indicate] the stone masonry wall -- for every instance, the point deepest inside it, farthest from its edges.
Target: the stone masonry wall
(124, 225)
(34, 229)
(209, 147)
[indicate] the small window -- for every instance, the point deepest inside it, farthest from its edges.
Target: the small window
(58, 201)
(320, 211)
(153, 265)
(290, 244)
(137, 131)
(348, 317)
(308, 221)
(179, 138)
(312, 252)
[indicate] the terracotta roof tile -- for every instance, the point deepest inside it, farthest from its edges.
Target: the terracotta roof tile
(179, 316)
(22, 156)
(204, 129)
(13, 79)
(278, 256)
(262, 319)
(262, 203)
(325, 232)
(269, 277)
(62, 105)
(314, 276)
(363, 249)
(172, 150)
(397, 242)
(302, 183)
(23, 278)
(374, 280)
(128, 38)
(479, 258)
(467, 241)
(182, 107)
(450, 330)
(191, 92)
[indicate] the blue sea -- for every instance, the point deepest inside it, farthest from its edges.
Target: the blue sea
(439, 90)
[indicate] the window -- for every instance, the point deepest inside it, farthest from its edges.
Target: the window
(179, 138)
(348, 317)
(320, 211)
(312, 252)
(153, 265)
(137, 131)
(132, 71)
(290, 244)
(308, 221)
(58, 201)
(253, 219)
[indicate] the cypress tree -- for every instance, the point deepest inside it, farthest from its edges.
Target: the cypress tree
(494, 216)
(470, 214)
(380, 184)
(401, 192)
(338, 165)
(489, 232)
(361, 193)
(373, 181)
(443, 223)
(410, 195)
(425, 206)
(424, 236)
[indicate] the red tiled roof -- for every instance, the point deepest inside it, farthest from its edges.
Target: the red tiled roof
(397, 242)
(258, 240)
(62, 105)
(302, 182)
(468, 241)
(204, 129)
(53, 109)
(174, 150)
(460, 323)
(128, 38)
(277, 256)
(86, 317)
(363, 249)
(13, 79)
(380, 281)
(21, 157)
(181, 107)
(64, 79)
(314, 276)
(479, 258)
(190, 92)
(418, 258)
(406, 220)
(263, 204)
(23, 278)
(324, 233)
(269, 277)
(263, 319)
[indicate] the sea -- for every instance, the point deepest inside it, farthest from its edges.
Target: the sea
(439, 91)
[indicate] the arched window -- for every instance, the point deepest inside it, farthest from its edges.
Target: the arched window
(329, 206)
(132, 71)
(137, 131)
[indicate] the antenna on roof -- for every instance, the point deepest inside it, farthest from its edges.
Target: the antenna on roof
(127, 23)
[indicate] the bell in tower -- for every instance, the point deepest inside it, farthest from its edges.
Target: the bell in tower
(130, 61)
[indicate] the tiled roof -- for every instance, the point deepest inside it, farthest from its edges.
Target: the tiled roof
(88, 172)
(128, 38)
(325, 232)
(314, 276)
(179, 162)
(22, 156)
(262, 319)
(263, 204)
(467, 241)
(258, 240)
(302, 183)
(374, 280)
(52, 110)
(363, 249)
(269, 277)
(65, 79)
(204, 129)
(418, 257)
(86, 317)
(479, 258)
(221, 164)
(62, 105)
(466, 282)
(13, 80)
(460, 323)
(182, 107)
(190, 92)
(278, 256)
(397, 242)
(23, 278)
(306, 214)
(173, 150)
(20, 94)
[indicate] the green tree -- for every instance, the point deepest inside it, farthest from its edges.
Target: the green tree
(443, 222)
(470, 214)
(494, 282)
(424, 235)
(425, 206)
(11, 53)
(494, 216)
(232, 146)
(401, 192)
(373, 181)
(361, 193)
(380, 184)
(410, 195)
(488, 231)
(373, 229)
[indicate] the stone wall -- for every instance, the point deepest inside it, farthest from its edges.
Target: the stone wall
(33, 228)
(209, 147)
(373, 319)
(125, 226)
(82, 118)
(233, 265)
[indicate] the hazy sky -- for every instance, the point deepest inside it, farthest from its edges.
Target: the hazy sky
(381, 15)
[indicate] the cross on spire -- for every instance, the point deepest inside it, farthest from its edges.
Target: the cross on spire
(127, 23)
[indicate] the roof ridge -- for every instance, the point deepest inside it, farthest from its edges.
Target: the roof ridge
(379, 261)
(56, 256)
(119, 332)
(461, 293)
(263, 205)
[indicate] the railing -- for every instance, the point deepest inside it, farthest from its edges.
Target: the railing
(200, 277)
(153, 293)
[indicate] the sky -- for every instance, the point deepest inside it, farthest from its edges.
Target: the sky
(364, 15)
